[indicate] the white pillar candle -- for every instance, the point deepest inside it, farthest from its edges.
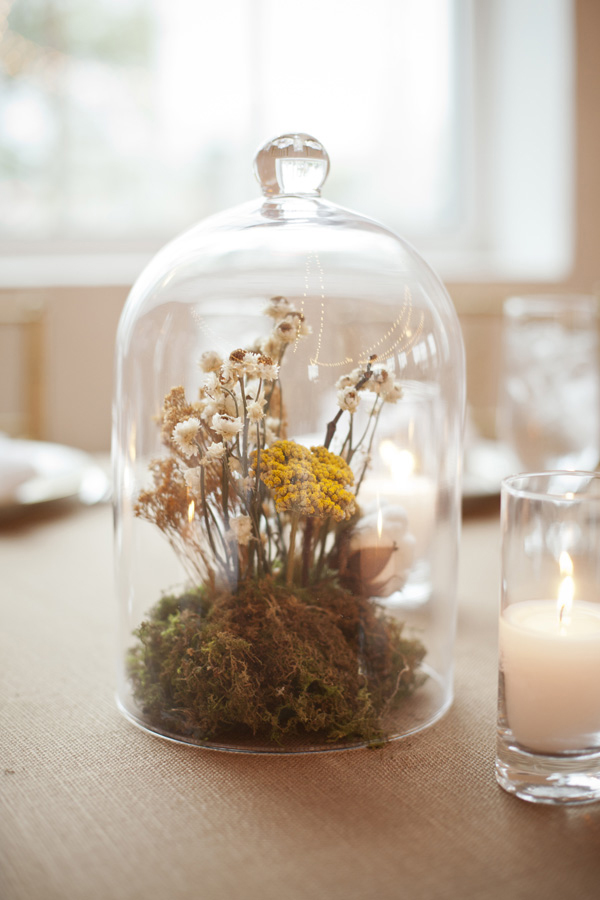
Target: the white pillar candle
(551, 670)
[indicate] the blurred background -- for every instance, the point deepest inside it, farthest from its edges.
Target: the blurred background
(471, 127)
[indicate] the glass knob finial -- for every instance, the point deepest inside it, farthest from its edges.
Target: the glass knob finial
(291, 164)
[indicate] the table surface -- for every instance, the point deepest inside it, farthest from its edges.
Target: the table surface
(94, 808)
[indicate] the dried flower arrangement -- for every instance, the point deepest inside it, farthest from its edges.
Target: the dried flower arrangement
(279, 635)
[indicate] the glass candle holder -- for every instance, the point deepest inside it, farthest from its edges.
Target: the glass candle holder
(548, 748)
(403, 475)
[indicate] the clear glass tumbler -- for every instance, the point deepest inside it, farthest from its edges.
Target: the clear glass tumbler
(549, 404)
(548, 748)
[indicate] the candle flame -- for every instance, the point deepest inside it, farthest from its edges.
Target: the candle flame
(132, 442)
(379, 523)
(566, 564)
(566, 590)
(402, 463)
(191, 510)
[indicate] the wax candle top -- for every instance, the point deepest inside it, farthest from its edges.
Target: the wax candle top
(540, 617)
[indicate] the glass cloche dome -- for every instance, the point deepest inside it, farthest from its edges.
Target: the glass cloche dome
(288, 418)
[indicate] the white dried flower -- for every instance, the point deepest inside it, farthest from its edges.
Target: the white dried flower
(267, 369)
(348, 399)
(192, 478)
(184, 435)
(344, 381)
(243, 362)
(391, 392)
(287, 331)
(228, 377)
(349, 380)
(278, 308)
(240, 530)
(251, 364)
(211, 383)
(214, 451)
(210, 361)
(227, 426)
(378, 381)
(293, 327)
(255, 410)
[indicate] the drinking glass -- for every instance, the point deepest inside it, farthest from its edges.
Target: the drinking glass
(549, 405)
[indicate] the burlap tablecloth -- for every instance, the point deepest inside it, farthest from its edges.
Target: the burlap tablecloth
(94, 808)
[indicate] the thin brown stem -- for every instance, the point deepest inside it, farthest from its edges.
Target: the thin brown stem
(289, 572)
(321, 560)
(245, 430)
(307, 550)
(369, 448)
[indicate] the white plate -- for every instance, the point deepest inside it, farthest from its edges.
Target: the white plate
(43, 473)
(57, 472)
(486, 464)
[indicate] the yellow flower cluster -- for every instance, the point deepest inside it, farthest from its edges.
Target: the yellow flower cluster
(308, 482)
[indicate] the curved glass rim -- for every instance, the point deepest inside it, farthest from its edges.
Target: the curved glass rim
(520, 485)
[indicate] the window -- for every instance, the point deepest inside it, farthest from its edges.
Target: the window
(124, 121)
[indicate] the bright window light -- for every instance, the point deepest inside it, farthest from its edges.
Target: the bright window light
(122, 122)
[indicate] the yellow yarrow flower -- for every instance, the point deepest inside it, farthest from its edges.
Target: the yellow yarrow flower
(308, 482)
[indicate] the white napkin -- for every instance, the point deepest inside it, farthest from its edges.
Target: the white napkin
(14, 468)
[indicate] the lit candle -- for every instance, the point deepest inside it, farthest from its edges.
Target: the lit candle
(550, 661)
(416, 494)
(381, 552)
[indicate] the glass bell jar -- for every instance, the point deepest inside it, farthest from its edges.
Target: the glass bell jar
(287, 445)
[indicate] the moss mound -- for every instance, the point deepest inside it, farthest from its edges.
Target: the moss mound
(271, 661)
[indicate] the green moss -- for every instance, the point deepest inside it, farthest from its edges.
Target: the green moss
(271, 661)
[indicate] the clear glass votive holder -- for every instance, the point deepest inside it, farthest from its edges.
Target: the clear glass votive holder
(548, 746)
